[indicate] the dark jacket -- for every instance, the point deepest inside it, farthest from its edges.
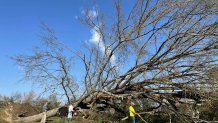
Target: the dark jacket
(63, 111)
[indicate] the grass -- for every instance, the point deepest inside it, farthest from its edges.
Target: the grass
(75, 120)
(58, 120)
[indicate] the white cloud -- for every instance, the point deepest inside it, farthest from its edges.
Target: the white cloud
(91, 13)
(96, 38)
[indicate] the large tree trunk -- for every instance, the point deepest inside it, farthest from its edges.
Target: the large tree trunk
(36, 117)
(50, 113)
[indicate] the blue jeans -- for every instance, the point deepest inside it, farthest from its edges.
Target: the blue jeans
(132, 119)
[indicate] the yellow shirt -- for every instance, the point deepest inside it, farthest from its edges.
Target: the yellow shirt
(131, 111)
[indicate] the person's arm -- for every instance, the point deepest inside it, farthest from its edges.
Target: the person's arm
(135, 113)
(59, 111)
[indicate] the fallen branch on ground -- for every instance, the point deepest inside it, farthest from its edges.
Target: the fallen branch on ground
(139, 114)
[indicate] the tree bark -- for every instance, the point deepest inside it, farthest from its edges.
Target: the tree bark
(36, 117)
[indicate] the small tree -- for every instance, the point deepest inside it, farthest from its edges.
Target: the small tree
(17, 97)
(48, 66)
(53, 101)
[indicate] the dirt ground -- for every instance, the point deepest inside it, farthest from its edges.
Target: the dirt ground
(24, 108)
(10, 111)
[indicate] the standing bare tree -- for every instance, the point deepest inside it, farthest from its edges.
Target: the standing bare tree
(48, 66)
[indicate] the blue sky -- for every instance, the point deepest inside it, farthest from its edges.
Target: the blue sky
(20, 26)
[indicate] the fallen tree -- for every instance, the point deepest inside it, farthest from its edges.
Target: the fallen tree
(162, 46)
(37, 117)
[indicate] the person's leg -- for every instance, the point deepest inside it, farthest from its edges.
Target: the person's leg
(62, 119)
(132, 119)
(65, 119)
(69, 116)
(136, 119)
(69, 120)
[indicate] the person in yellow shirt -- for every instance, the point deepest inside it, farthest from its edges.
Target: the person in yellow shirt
(132, 113)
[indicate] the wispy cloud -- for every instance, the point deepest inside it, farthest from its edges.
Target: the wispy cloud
(76, 17)
(96, 39)
(91, 13)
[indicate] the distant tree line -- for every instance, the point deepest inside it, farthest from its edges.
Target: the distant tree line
(32, 98)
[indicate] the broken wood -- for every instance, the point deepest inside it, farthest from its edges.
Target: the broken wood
(37, 117)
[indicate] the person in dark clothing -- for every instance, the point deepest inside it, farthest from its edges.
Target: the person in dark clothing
(63, 111)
